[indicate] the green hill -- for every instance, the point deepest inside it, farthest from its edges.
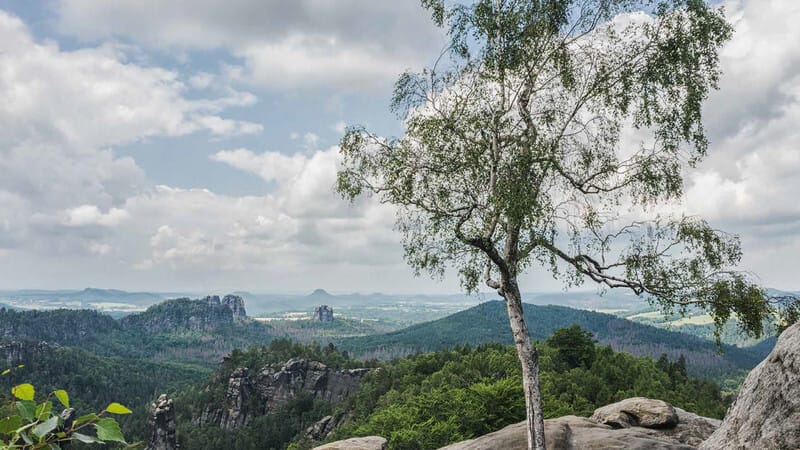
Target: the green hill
(488, 322)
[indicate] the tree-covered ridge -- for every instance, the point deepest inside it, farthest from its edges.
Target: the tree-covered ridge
(95, 381)
(183, 330)
(487, 323)
(64, 326)
(432, 399)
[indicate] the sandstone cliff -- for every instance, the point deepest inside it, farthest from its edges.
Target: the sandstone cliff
(162, 425)
(766, 414)
(271, 387)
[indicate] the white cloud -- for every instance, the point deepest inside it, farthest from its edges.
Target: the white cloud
(271, 166)
(59, 112)
(91, 215)
(349, 44)
(319, 62)
(339, 127)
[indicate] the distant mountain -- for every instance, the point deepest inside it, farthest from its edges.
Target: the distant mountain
(320, 294)
(110, 300)
(488, 322)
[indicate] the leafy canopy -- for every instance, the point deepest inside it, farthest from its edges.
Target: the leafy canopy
(554, 133)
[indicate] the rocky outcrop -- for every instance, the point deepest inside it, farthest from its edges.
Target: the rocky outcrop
(182, 314)
(360, 443)
(162, 423)
(323, 313)
(324, 427)
(617, 426)
(766, 414)
(16, 352)
(236, 305)
(272, 387)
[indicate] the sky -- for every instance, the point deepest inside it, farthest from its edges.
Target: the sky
(192, 145)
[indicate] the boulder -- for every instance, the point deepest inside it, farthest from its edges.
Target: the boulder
(637, 412)
(766, 413)
(360, 443)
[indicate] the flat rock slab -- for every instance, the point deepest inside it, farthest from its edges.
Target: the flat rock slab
(572, 433)
(361, 443)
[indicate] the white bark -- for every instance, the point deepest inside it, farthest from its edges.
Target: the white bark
(529, 358)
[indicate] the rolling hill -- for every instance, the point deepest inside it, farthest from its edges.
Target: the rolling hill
(488, 322)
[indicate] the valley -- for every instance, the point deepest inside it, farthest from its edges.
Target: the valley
(190, 349)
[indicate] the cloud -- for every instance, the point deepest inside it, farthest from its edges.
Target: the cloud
(60, 113)
(750, 178)
(91, 215)
(349, 44)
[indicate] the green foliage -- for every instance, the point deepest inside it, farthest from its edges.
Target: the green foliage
(39, 426)
(574, 347)
(432, 399)
(95, 382)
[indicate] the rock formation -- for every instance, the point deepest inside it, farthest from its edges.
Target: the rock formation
(323, 313)
(16, 352)
(360, 443)
(181, 314)
(637, 412)
(236, 305)
(636, 423)
(324, 427)
(162, 423)
(766, 414)
(273, 387)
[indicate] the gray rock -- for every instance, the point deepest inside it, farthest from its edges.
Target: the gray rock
(361, 443)
(581, 433)
(236, 305)
(162, 423)
(637, 412)
(766, 414)
(273, 387)
(16, 352)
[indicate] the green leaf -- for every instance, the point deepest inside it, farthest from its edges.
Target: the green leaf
(44, 428)
(63, 397)
(26, 438)
(9, 424)
(108, 430)
(44, 409)
(27, 409)
(83, 419)
(23, 391)
(116, 408)
(86, 439)
(7, 371)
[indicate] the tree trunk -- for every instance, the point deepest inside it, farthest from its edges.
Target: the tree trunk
(529, 358)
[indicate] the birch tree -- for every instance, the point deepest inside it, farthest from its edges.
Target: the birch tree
(555, 134)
